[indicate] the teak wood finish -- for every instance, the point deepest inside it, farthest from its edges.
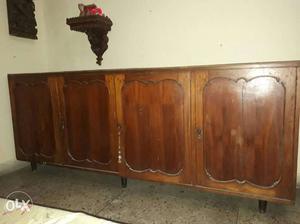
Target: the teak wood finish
(248, 119)
(153, 116)
(88, 120)
(228, 129)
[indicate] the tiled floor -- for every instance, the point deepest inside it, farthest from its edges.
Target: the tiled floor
(141, 202)
(45, 215)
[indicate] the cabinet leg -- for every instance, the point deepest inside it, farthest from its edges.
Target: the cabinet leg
(262, 205)
(33, 166)
(124, 182)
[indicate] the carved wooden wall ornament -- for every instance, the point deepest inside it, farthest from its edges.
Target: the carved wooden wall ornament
(96, 27)
(21, 18)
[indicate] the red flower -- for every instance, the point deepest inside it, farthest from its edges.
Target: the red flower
(96, 11)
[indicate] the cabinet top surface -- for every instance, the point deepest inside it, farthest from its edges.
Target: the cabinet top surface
(180, 68)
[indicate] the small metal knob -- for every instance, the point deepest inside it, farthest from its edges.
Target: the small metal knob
(120, 157)
(62, 123)
(199, 133)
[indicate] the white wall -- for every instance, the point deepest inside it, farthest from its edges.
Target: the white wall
(16, 55)
(152, 33)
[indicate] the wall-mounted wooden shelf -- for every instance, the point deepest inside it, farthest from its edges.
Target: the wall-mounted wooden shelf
(96, 27)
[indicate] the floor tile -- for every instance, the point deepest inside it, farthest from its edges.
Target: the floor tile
(66, 188)
(145, 202)
(142, 202)
(276, 213)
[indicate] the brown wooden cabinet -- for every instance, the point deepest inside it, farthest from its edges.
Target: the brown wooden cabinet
(153, 113)
(248, 119)
(32, 111)
(88, 121)
(230, 129)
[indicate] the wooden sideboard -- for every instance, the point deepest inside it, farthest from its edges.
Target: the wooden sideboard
(230, 129)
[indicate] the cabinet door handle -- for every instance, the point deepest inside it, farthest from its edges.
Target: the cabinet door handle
(199, 133)
(62, 124)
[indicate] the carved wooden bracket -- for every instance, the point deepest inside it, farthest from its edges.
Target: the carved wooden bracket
(96, 28)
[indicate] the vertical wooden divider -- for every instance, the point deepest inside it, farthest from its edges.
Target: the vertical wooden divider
(119, 80)
(198, 81)
(55, 85)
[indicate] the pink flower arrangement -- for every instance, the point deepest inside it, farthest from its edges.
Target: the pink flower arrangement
(88, 10)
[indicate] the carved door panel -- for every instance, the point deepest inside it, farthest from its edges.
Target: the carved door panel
(153, 115)
(89, 120)
(247, 120)
(32, 110)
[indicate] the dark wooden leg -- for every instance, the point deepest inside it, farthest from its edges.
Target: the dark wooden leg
(33, 166)
(124, 182)
(262, 205)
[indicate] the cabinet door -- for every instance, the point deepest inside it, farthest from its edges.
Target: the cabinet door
(33, 123)
(153, 114)
(89, 121)
(247, 122)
